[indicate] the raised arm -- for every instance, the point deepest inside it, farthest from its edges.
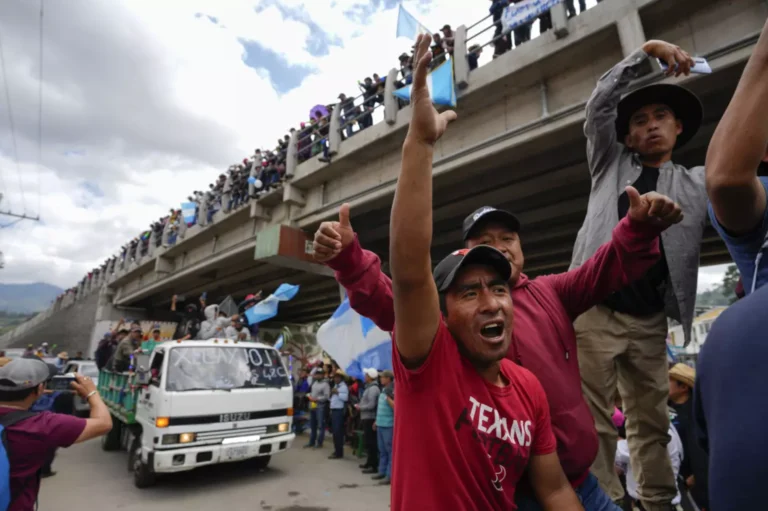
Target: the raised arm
(359, 271)
(738, 145)
(417, 308)
(600, 123)
(633, 249)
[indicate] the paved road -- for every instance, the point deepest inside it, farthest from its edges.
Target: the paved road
(298, 480)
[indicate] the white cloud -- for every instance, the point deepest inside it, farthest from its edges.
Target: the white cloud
(146, 102)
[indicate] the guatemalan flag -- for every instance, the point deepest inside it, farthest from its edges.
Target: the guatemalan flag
(408, 26)
(188, 212)
(440, 84)
(354, 342)
(267, 308)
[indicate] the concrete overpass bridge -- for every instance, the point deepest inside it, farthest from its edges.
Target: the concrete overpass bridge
(517, 144)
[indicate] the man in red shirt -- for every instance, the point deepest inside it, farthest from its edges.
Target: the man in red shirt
(544, 340)
(32, 438)
(459, 442)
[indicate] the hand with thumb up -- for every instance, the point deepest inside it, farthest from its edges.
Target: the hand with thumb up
(653, 207)
(333, 237)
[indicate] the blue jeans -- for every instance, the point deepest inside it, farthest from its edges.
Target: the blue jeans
(337, 426)
(384, 436)
(589, 493)
(316, 420)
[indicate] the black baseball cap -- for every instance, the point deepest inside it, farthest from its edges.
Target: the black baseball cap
(489, 214)
(447, 269)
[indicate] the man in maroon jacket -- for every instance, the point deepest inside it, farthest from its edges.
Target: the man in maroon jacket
(543, 341)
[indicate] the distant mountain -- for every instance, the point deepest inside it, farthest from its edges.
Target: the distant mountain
(27, 298)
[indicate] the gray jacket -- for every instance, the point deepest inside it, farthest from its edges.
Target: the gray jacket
(320, 391)
(613, 167)
(370, 401)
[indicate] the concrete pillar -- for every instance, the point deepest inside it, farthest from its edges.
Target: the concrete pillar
(390, 101)
(559, 20)
(226, 194)
(181, 229)
(163, 265)
(254, 173)
(152, 242)
(631, 33)
(111, 267)
(202, 215)
(292, 154)
(460, 64)
(334, 131)
(166, 233)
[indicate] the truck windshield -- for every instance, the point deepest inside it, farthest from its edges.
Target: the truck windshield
(224, 368)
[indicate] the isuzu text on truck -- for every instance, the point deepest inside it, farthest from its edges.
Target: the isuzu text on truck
(194, 403)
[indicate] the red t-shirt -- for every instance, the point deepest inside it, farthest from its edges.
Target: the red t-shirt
(461, 443)
(30, 443)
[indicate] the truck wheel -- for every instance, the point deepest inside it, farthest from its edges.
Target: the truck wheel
(111, 441)
(143, 476)
(261, 462)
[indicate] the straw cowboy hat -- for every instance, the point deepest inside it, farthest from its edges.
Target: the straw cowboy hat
(683, 373)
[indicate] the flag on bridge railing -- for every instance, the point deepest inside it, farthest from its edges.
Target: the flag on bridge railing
(354, 342)
(267, 308)
(408, 26)
(521, 13)
(188, 212)
(440, 84)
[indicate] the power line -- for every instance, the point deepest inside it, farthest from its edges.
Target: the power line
(40, 111)
(13, 130)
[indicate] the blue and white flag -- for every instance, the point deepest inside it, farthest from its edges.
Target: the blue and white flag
(188, 212)
(279, 342)
(440, 84)
(354, 342)
(516, 15)
(408, 26)
(267, 308)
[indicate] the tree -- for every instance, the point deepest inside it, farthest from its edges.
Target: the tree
(730, 281)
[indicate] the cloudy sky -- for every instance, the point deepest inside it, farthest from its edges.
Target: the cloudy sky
(144, 102)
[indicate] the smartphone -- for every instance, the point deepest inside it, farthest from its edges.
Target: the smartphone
(204, 296)
(58, 383)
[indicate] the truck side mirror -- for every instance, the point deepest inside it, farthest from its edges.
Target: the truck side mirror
(143, 377)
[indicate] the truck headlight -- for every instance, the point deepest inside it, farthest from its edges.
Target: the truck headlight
(283, 427)
(170, 439)
(186, 438)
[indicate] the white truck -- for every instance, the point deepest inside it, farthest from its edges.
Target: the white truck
(187, 404)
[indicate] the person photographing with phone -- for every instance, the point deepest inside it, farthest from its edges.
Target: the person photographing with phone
(29, 438)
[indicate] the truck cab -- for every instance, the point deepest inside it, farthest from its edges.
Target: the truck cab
(198, 403)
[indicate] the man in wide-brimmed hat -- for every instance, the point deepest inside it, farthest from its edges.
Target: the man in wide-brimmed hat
(622, 342)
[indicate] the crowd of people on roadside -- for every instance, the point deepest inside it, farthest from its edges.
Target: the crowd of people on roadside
(522, 414)
(356, 412)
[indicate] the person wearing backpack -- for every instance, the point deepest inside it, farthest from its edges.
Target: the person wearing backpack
(30, 438)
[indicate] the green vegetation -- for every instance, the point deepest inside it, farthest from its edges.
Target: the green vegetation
(10, 320)
(722, 294)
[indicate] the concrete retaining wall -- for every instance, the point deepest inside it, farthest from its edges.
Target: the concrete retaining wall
(69, 328)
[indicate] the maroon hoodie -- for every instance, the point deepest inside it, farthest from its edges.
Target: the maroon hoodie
(543, 340)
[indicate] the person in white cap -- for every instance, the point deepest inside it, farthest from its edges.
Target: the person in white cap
(367, 406)
(31, 438)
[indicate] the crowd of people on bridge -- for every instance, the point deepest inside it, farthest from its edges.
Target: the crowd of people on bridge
(266, 168)
(529, 421)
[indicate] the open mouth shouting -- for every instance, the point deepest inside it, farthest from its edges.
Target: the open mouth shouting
(493, 331)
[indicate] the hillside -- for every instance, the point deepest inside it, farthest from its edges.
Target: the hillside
(27, 298)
